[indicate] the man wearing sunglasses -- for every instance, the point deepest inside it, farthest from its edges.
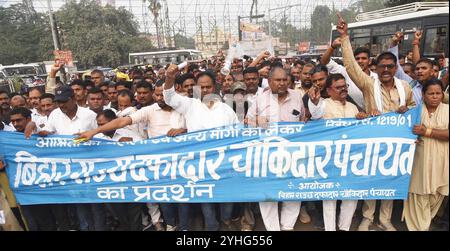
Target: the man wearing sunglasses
(382, 95)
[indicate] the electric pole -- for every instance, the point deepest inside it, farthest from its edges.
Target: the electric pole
(53, 27)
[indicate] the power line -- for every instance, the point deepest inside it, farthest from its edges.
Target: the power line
(184, 15)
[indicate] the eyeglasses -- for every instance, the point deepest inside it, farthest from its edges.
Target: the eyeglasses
(384, 66)
(342, 87)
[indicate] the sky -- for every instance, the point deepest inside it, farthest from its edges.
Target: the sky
(184, 15)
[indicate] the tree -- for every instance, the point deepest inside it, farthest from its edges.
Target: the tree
(368, 5)
(155, 8)
(24, 37)
(99, 36)
(287, 31)
(321, 24)
(184, 42)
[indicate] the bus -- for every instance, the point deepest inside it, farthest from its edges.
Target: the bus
(375, 29)
(163, 57)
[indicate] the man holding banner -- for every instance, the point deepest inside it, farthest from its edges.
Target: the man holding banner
(69, 119)
(209, 112)
(160, 119)
(274, 105)
(382, 95)
(334, 107)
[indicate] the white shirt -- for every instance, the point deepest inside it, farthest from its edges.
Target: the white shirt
(197, 114)
(140, 128)
(251, 98)
(264, 83)
(59, 123)
(121, 133)
(110, 108)
(157, 120)
(8, 128)
(39, 119)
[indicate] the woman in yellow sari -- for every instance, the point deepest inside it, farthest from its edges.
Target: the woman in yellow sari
(429, 179)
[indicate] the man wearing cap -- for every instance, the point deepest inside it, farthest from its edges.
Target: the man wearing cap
(68, 119)
(240, 105)
(160, 119)
(237, 100)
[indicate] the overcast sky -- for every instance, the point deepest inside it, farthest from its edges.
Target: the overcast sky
(223, 13)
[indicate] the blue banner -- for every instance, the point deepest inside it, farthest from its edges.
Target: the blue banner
(337, 159)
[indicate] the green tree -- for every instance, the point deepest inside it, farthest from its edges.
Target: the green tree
(99, 36)
(184, 42)
(25, 36)
(286, 31)
(321, 24)
(368, 5)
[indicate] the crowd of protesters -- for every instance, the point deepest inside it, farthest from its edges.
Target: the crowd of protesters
(146, 102)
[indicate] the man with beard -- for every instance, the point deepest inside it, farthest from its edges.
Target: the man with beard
(33, 99)
(5, 108)
(160, 120)
(209, 112)
(97, 77)
(382, 95)
(296, 71)
(305, 80)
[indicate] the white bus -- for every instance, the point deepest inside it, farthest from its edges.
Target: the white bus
(164, 57)
(375, 29)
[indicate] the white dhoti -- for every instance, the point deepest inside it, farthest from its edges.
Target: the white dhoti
(289, 214)
(348, 208)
